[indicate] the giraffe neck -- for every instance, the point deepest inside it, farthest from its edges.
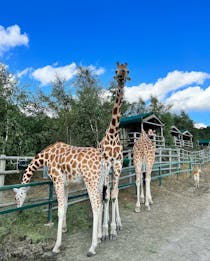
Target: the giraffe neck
(114, 123)
(36, 163)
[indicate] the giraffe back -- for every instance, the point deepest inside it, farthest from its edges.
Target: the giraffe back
(70, 161)
(144, 149)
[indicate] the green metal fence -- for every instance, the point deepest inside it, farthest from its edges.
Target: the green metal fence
(160, 170)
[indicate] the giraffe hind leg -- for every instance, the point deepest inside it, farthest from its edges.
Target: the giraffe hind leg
(139, 187)
(106, 200)
(116, 220)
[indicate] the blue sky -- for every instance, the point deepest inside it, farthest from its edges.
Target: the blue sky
(166, 44)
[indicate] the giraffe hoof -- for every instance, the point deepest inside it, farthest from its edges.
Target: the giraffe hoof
(119, 227)
(55, 251)
(89, 254)
(113, 237)
(137, 210)
(64, 230)
(104, 238)
(142, 200)
(148, 208)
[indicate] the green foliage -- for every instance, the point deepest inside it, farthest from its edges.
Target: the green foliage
(29, 122)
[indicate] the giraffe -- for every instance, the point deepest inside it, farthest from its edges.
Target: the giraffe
(196, 176)
(112, 153)
(65, 165)
(144, 153)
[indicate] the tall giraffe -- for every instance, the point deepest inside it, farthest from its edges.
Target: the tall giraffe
(112, 153)
(144, 153)
(65, 165)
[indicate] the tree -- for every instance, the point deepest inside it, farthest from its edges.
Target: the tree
(58, 105)
(87, 112)
(157, 107)
(8, 98)
(135, 108)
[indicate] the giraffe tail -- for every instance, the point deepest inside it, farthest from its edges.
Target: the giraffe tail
(104, 192)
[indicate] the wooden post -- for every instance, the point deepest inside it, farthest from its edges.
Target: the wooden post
(170, 160)
(160, 166)
(130, 164)
(2, 176)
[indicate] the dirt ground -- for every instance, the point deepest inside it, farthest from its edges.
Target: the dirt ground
(176, 229)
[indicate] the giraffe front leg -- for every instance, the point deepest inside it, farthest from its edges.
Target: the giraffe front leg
(59, 231)
(64, 226)
(96, 205)
(113, 231)
(100, 224)
(60, 192)
(105, 232)
(118, 219)
(91, 251)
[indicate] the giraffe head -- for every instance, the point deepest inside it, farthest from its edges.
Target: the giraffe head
(20, 195)
(121, 73)
(151, 134)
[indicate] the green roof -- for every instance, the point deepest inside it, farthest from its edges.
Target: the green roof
(133, 119)
(204, 142)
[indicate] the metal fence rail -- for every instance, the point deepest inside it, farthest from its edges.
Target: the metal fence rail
(168, 162)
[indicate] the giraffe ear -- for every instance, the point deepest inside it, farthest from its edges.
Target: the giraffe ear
(118, 63)
(15, 190)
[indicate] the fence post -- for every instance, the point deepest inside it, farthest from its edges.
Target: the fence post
(190, 165)
(130, 164)
(2, 176)
(170, 160)
(159, 173)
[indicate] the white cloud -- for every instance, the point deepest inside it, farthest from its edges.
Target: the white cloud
(200, 125)
(191, 98)
(178, 79)
(176, 89)
(132, 94)
(172, 82)
(96, 71)
(24, 72)
(11, 37)
(47, 74)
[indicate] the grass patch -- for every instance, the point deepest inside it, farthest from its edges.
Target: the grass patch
(30, 224)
